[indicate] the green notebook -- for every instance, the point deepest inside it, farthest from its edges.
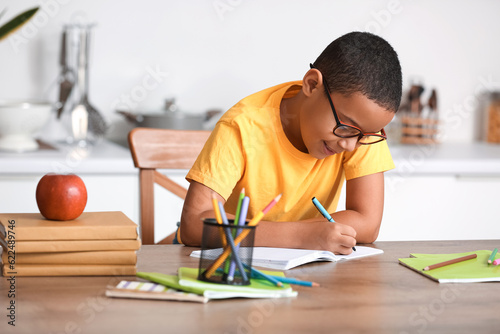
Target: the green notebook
(189, 283)
(469, 271)
(258, 288)
(171, 281)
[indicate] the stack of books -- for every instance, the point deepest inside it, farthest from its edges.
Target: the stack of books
(94, 244)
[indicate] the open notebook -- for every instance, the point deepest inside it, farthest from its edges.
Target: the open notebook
(288, 258)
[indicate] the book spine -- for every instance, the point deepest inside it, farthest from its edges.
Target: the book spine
(37, 233)
(72, 270)
(104, 257)
(76, 246)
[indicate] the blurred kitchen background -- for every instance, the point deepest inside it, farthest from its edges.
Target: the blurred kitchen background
(208, 54)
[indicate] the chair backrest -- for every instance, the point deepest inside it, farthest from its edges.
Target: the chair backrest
(161, 149)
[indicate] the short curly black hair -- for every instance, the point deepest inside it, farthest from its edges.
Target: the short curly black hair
(365, 63)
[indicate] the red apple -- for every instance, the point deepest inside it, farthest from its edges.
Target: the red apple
(61, 196)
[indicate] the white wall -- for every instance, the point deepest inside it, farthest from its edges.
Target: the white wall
(212, 53)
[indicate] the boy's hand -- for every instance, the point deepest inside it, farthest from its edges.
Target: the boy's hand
(335, 237)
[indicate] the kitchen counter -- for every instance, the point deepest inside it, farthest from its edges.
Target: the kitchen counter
(105, 158)
(471, 159)
(110, 158)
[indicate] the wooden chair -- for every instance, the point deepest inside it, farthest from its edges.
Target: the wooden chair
(161, 149)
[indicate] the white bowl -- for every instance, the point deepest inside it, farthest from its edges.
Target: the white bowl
(19, 122)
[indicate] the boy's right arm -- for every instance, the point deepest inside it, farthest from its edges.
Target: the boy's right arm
(316, 233)
(197, 206)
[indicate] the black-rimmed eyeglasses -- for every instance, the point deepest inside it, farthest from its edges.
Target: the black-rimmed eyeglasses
(343, 130)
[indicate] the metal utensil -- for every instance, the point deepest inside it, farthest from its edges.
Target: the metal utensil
(67, 78)
(85, 119)
(97, 124)
(79, 122)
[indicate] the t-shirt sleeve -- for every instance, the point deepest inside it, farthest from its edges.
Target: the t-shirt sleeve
(367, 159)
(220, 164)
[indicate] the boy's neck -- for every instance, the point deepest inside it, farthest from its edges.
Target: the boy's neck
(290, 120)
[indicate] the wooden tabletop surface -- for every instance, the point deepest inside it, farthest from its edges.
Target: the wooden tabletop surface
(367, 295)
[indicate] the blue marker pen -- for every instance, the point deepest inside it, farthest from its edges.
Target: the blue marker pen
(321, 209)
(325, 213)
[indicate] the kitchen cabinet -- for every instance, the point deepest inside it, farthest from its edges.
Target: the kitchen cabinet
(440, 207)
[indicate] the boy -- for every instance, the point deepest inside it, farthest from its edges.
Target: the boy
(303, 139)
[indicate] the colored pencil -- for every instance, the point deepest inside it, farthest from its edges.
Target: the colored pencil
(325, 213)
(241, 222)
(295, 281)
(230, 240)
(492, 256)
(235, 222)
(288, 280)
(496, 262)
(258, 217)
(218, 218)
(272, 279)
(243, 213)
(215, 204)
(447, 263)
(238, 207)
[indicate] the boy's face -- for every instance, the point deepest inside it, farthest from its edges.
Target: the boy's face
(318, 121)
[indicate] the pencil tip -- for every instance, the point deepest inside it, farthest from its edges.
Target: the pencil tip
(277, 198)
(315, 284)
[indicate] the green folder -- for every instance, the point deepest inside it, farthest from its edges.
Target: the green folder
(187, 281)
(171, 281)
(258, 288)
(469, 271)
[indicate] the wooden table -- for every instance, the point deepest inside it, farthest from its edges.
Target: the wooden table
(368, 295)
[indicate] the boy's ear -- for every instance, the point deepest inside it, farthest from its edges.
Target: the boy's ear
(312, 80)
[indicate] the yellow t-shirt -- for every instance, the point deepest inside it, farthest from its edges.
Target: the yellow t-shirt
(249, 149)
